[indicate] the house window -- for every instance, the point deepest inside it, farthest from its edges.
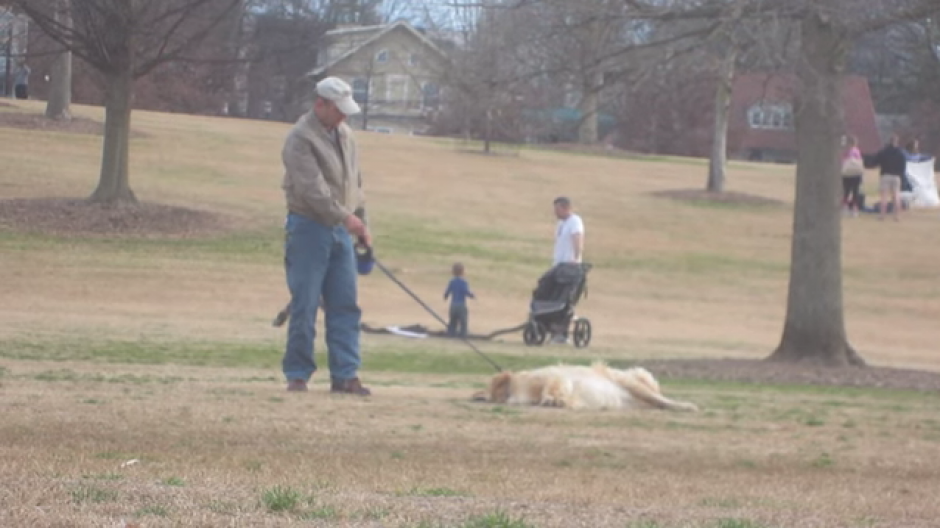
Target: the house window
(430, 96)
(771, 116)
(382, 56)
(414, 59)
(360, 89)
(396, 88)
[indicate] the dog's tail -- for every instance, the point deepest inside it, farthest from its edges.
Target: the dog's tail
(641, 386)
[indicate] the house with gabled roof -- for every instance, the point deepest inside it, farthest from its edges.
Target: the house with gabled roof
(761, 123)
(395, 71)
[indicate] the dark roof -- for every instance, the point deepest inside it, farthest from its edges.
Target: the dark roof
(754, 88)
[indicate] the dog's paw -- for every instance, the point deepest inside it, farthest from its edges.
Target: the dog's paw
(479, 397)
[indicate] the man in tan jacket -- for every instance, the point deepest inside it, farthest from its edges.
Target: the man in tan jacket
(323, 188)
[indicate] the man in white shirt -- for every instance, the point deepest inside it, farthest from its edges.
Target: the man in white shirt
(569, 247)
(569, 234)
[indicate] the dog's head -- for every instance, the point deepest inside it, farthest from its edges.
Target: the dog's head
(498, 391)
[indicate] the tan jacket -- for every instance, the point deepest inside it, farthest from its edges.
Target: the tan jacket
(321, 181)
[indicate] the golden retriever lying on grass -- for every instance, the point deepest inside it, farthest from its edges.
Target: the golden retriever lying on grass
(575, 387)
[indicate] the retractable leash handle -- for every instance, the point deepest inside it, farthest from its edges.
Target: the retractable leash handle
(365, 259)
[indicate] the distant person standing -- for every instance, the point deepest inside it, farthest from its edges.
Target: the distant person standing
(893, 164)
(569, 233)
(569, 249)
(853, 169)
(458, 290)
(21, 81)
(912, 151)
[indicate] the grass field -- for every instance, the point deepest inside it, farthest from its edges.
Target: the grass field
(140, 377)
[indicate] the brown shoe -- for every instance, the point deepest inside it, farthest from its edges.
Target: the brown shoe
(350, 386)
(297, 385)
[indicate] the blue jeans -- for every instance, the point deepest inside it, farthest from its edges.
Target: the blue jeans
(457, 325)
(320, 262)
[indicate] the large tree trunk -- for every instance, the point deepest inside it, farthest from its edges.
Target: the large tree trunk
(58, 105)
(113, 185)
(718, 159)
(814, 331)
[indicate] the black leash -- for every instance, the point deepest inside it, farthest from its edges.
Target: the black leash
(430, 310)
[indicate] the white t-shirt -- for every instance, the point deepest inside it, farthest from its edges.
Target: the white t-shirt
(564, 245)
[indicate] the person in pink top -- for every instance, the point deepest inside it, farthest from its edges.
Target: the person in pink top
(852, 170)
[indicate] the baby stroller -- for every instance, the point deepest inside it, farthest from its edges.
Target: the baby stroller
(552, 308)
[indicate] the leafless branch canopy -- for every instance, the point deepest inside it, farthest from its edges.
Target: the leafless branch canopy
(116, 35)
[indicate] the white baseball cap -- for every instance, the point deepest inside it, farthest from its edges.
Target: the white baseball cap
(338, 91)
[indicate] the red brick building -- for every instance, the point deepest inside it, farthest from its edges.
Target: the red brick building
(761, 120)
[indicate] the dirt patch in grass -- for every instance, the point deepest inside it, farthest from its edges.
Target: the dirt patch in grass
(78, 217)
(76, 125)
(759, 372)
(727, 197)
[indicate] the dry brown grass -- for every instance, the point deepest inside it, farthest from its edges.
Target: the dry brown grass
(210, 442)
(671, 277)
(672, 280)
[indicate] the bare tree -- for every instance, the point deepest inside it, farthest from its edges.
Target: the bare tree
(902, 64)
(124, 40)
(585, 45)
(59, 101)
(814, 328)
(737, 42)
(13, 33)
(479, 75)
(729, 48)
(393, 10)
(719, 153)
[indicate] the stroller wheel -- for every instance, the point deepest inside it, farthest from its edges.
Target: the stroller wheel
(533, 334)
(582, 333)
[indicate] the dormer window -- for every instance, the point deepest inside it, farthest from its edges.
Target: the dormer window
(775, 116)
(382, 56)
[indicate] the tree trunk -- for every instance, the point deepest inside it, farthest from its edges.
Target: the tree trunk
(242, 68)
(814, 330)
(365, 104)
(8, 61)
(58, 106)
(113, 186)
(488, 131)
(590, 101)
(718, 160)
